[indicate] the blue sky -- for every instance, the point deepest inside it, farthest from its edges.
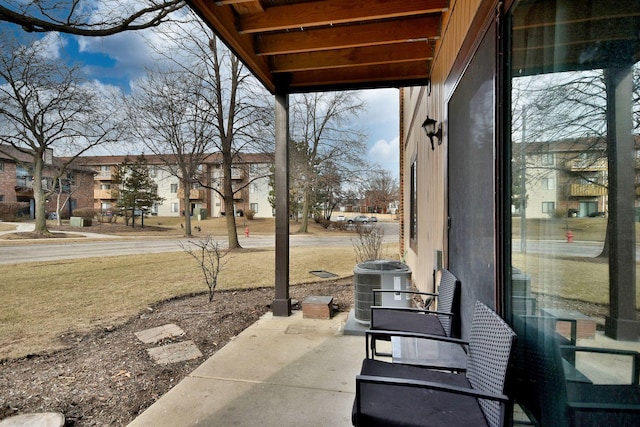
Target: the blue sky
(120, 59)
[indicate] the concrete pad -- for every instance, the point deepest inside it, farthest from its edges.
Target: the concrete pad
(278, 341)
(172, 353)
(285, 371)
(353, 327)
(208, 402)
(44, 419)
(154, 335)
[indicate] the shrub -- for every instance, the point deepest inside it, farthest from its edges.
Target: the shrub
(325, 223)
(368, 244)
(340, 225)
(9, 211)
(87, 213)
(250, 214)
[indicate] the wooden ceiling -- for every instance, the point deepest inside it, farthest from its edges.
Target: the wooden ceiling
(304, 46)
(552, 36)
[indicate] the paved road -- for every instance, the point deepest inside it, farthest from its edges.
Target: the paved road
(562, 248)
(41, 251)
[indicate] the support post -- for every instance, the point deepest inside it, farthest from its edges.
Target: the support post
(621, 324)
(282, 302)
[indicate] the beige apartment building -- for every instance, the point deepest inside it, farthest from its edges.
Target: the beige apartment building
(250, 175)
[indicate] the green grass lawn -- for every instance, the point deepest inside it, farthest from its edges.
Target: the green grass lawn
(41, 301)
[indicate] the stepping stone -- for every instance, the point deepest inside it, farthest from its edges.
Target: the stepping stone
(172, 353)
(154, 335)
(44, 419)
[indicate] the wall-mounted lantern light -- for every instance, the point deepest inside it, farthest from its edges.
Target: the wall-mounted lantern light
(429, 126)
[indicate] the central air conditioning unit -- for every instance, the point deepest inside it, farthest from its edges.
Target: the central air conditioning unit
(380, 274)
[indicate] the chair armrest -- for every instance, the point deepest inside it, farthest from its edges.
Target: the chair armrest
(409, 309)
(369, 333)
(572, 321)
(427, 302)
(635, 370)
(604, 407)
(401, 382)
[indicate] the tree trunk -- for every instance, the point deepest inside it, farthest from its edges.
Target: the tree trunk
(187, 208)
(232, 232)
(227, 191)
(38, 195)
(304, 225)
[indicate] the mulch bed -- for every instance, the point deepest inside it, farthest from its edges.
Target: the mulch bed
(106, 378)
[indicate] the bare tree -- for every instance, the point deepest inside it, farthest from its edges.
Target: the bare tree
(169, 112)
(44, 107)
(234, 111)
(320, 124)
(86, 18)
(381, 189)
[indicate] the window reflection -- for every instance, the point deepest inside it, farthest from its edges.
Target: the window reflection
(575, 206)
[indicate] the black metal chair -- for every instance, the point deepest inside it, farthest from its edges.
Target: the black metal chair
(552, 395)
(418, 320)
(393, 394)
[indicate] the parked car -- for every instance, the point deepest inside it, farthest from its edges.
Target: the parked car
(361, 219)
(340, 218)
(373, 218)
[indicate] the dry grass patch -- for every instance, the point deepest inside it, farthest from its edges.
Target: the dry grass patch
(42, 301)
(583, 279)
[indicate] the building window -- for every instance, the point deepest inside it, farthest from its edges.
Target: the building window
(174, 188)
(153, 171)
(105, 186)
(1, 197)
(547, 159)
(174, 207)
(548, 207)
(1, 166)
(413, 205)
(253, 207)
(548, 183)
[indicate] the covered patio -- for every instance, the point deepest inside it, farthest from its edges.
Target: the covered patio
(295, 46)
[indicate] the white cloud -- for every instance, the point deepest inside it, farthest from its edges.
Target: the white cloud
(50, 46)
(386, 154)
(380, 121)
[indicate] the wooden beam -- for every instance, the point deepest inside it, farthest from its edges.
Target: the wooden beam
(370, 55)
(365, 76)
(221, 20)
(332, 12)
(223, 2)
(248, 7)
(368, 34)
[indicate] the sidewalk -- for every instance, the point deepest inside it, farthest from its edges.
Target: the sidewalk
(30, 226)
(281, 371)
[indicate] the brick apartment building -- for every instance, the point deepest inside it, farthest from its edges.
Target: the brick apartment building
(16, 182)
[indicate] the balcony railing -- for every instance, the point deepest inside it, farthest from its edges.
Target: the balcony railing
(103, 194)
(194, 194)
(589, 190)
(27, 182)
(577, 165)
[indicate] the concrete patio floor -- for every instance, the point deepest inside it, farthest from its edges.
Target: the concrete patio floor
(281, 371)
